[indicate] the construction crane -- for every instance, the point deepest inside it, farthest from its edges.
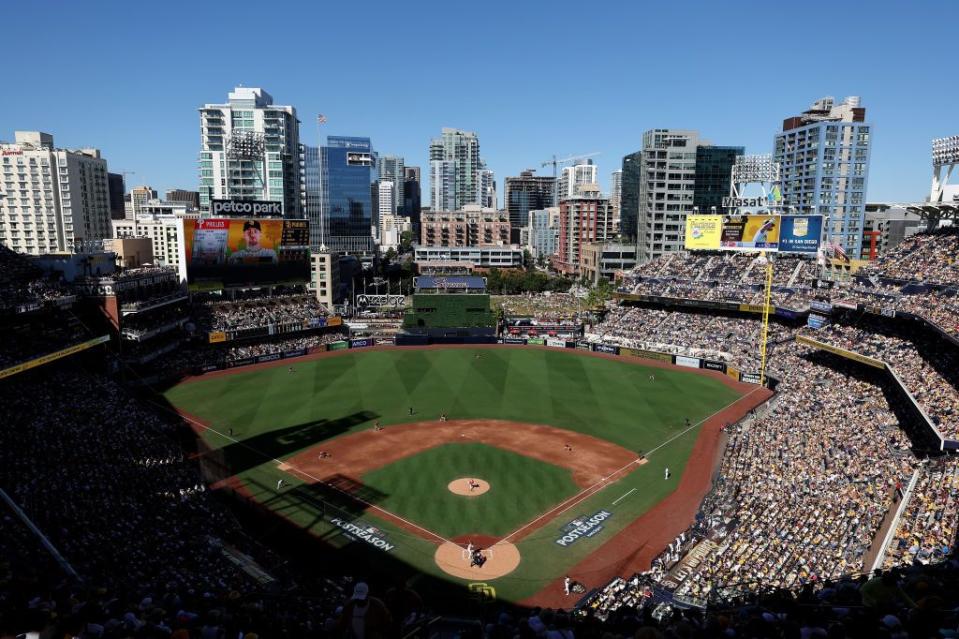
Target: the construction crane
(571, 159)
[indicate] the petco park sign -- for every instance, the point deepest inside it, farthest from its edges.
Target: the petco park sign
(582, 527)
(248, 208)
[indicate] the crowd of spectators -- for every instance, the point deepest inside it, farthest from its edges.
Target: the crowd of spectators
(925, 257)
(802, 491)
(24, 285)
(105, 479)
(729, 339)
(544, 308)
(931, 374)
(927, 528)
(239, 352)
(301, 310)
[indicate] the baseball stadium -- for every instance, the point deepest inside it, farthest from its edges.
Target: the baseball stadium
(739, 442)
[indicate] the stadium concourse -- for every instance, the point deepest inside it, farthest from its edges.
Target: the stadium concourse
(835, 476)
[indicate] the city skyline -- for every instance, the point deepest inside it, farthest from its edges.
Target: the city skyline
(733, 95)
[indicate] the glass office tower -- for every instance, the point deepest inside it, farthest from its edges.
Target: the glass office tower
(347, 173)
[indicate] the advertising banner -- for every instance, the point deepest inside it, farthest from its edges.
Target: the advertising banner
(821, 307)
(555, 343)
(246, 361)
(749, 378)
(842, 352)
(536, 341)
(606, 348)
(751, 308)
(583, 346)
(242, 251)
(50, 357)
(635, 352)
(750, 233)
(800, 234)
(217, 336)
(689, 362)
(337, 346)
(300, 352)
(714, 366)
(272, 357)
(785, 312)
(732, 372)
(703, 232)
(509, 339)
(815, 321)
(362, 342)
(336, 320)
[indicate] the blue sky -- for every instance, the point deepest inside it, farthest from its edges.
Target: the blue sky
(533, 79)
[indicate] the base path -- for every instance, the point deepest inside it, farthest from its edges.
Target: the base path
(502, 558)
(463, 488)
(356, 454)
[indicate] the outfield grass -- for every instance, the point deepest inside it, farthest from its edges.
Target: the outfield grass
(520, 489)
(275, 414)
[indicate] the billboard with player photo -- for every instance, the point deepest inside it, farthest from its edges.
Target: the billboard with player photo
(750, 233)
(239, 251)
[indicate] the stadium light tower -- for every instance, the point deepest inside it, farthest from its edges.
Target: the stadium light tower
(945, 157)
(756, 169)
(245, 147)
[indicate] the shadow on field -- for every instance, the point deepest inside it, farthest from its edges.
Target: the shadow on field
(253, 451)
(338, 496)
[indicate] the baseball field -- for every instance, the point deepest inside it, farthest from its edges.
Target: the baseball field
(551, 462)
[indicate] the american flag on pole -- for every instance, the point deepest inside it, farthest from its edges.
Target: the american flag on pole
(321, 119)
(839, 251)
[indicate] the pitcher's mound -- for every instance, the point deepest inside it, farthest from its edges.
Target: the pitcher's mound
(461, 486)
(502, 558)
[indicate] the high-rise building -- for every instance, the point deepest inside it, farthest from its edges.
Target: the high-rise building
(392, 168)
(383, 203)
(714, 171)
(411, 197)
(824, 158)
(454, 170)
(312, 196)
(250, 150)
(543, 232)
(487, 188)
(666, 190)
(190, 198)
(117, 193)
(582, 219)
(526, 193)
(471, 226)
(574, 177)
(51, 200)
(629, 198)
(139, 195)
(347, 173)
(616, 196)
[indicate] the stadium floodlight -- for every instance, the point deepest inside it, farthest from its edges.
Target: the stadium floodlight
(752, 169)
(945, 151)
(245, 145)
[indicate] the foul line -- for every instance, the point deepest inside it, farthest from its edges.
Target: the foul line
(631, 491)
(588, 492)
(303, 472)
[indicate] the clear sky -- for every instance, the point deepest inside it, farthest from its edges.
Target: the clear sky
(531, 78)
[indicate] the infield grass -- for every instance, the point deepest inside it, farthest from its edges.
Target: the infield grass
(274, 414)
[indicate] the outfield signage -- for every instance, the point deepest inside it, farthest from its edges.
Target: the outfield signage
(582, 527)
(760, 232)
(363, 532)
(514, 340)
(749, 378)
(606, 348)
(714, 366)
(336, 346)
(636, 352)
(556, 343)
(689, 362)
(361, 343)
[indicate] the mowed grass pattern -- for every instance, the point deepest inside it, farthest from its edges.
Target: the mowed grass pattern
(279, 412)
(520, 489)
